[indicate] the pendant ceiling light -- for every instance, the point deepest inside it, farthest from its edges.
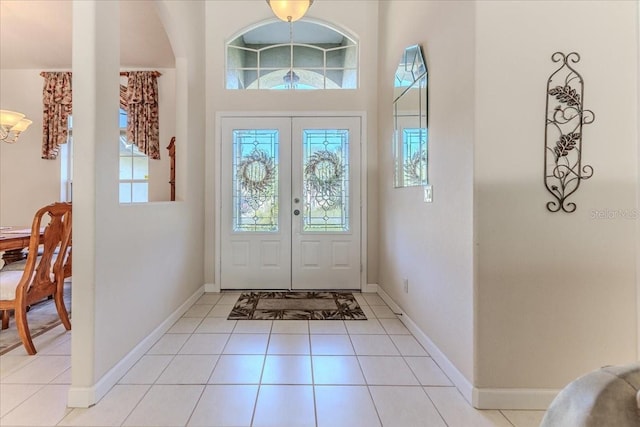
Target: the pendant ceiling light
(289, 10)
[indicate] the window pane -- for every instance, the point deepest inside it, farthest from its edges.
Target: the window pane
(255, 180)
(241, 58)
(233, 79)
(326, 180)
(305, 56)
(311, 79)
(350, 79)
(276, 56)
(123, 119)
(126, 167)
(335, 78)
(140, 192)
(241, 78)
(125, 192)
(335, 58)
(350, 57)
(140, 168)
(269, 79)
(125, 147)
(135, 151)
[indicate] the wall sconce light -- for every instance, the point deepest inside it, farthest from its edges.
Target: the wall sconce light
(289, 10)
(11, 125)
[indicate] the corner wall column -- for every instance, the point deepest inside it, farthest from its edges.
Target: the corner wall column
(96, 64)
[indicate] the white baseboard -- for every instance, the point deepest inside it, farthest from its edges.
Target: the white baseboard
(481, 398)
(370, 287)
(457, 378)
(513, 398)
(84, 397)
(212, 287)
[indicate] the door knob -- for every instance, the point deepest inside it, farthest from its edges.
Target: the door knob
(296, 212)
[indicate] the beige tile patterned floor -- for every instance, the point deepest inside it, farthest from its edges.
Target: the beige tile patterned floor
(208, 371)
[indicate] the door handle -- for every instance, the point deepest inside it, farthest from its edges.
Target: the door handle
(296, 212)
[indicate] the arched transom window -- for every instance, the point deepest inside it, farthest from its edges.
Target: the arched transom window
(300, 55)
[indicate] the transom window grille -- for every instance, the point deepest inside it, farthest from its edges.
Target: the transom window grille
(299, 55)
(255, 180)
(326, 180)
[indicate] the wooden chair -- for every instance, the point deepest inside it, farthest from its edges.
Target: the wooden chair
(43, 275)
(66, 268)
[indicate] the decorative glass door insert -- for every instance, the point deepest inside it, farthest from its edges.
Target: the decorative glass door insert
(326, 180)
(288, 189)
(255, 182)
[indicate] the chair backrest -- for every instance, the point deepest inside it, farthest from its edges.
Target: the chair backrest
(41, 280)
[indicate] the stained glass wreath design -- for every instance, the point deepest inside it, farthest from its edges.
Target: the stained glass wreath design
(324, 172)
(256, 172)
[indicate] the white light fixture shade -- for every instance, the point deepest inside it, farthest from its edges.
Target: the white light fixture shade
(11, 125)
(9, 119)
(21, 126)
(289, 10)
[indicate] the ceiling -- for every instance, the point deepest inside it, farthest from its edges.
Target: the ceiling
(37, 34)
(301, 31)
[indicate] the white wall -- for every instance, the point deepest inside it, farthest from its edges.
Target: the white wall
(27, 182)
(638, 191)
(556, 292)
(134, 266)
(224, 20)
(431, 244)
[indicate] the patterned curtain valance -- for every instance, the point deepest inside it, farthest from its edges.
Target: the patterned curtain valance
(142, 111)
(56, 102)
(139, 99)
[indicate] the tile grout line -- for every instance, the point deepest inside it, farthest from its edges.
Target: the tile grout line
(173, 357)
(264, 362)
(364, 378)
(313, 379)
(155, 382)
(435, 407)
(507, 418)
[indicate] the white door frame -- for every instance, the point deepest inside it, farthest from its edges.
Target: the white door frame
(290, 114)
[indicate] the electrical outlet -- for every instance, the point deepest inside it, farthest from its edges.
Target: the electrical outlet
(428, 193)
(405, 283)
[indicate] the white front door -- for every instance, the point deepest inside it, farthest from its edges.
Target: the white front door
(290, 203)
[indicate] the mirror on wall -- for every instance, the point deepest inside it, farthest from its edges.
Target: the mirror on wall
(410, 118)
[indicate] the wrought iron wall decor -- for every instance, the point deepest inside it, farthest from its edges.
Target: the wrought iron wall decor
(565, 117)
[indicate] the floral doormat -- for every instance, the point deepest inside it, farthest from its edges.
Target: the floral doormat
(297, 306)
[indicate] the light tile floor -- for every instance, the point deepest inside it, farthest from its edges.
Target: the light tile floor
(209, 371)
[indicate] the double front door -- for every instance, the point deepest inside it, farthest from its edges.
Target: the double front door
(290, 203)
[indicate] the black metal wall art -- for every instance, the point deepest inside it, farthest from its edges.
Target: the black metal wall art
(565, 117)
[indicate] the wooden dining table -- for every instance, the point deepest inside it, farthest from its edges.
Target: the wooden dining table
(13, 240)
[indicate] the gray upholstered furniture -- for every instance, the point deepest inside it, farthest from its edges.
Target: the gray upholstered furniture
(607, 397)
